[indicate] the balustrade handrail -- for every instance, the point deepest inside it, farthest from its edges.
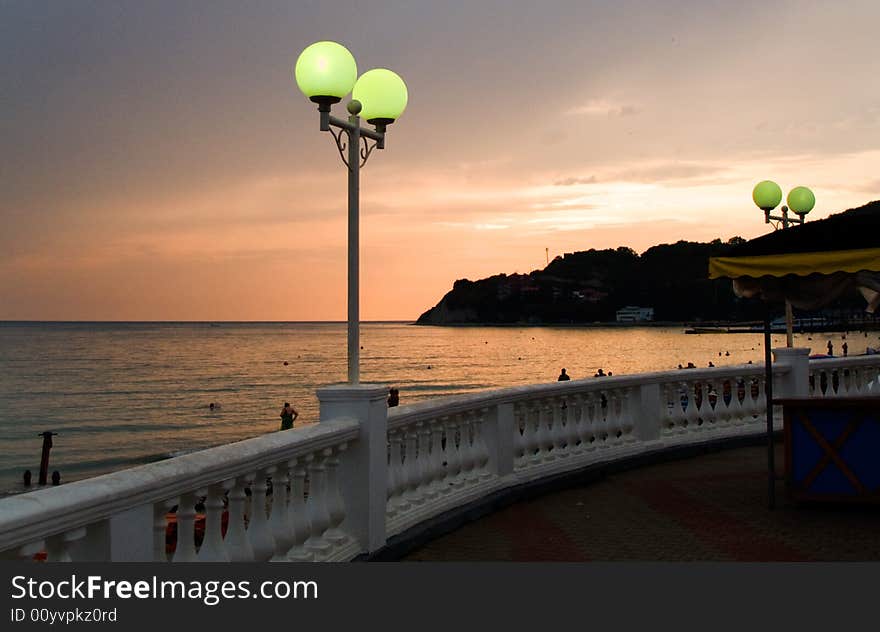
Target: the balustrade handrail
(35, 515)
(844, 362)
(454, 404)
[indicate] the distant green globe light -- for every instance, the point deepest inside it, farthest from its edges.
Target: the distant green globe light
(767, 195)
(325, 72)
(801, 200)
(383, 95)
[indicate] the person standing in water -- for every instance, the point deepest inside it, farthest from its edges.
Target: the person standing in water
(288, 416)
(563, 377)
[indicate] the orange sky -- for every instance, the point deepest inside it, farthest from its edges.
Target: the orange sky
(158, 163)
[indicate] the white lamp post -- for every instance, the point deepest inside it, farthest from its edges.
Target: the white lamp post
(326, 72)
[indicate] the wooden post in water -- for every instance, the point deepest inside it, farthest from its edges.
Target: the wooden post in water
(44, 459)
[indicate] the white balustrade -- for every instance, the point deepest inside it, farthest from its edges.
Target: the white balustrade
(332, 498)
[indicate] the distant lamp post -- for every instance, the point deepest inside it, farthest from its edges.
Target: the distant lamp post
(767, 195)
(326, 72)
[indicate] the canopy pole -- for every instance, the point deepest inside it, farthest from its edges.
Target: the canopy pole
(768, 393)
(789, 325)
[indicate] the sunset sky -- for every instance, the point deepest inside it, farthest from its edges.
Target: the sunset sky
(157, 161)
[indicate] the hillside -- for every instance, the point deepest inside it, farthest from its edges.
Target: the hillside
(590, 286)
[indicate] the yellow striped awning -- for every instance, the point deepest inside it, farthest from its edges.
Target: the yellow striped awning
(799, 263)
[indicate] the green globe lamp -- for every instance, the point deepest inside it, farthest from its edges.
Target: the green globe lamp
(801, 200)
(325, 72)
(383, 96)
(767, 195)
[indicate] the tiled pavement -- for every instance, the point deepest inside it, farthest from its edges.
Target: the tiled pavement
(711, 507)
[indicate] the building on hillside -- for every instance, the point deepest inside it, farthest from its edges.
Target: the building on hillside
(632, 314)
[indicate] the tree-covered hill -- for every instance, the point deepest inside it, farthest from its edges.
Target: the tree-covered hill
(591, 285)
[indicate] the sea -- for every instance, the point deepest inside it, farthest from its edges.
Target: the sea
(123, 394)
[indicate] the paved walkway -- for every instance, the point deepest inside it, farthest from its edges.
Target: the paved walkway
(711, 508)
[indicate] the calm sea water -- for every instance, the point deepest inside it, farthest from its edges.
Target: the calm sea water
(120, 394)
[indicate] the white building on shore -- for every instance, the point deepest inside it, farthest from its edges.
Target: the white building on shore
(632, 314)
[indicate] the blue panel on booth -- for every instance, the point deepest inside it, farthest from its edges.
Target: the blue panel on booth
(849, 465)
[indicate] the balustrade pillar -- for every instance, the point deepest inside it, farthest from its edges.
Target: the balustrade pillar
(649, 411)
(796, 381)
(363, 473)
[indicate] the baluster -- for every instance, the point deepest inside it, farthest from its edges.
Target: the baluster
(847, 383)
(709, 408)
(574, 427)
(520, 436)
(238, 547)
(411, 467)
(335, 503)
(603, 436)
(613, 425)
(279, 517)
(298, 516)
(438, 471)
(453, 460)
(542, 438)
(185, 549)
(692, 413)
(160, 531)
(737, 406)
(396, 484)
(823, 385)
(722, 407)
(212, 548)
(545, 418)
(423, 464)
(466, 448)
(474, 449)
(627, 424)
(559, 425)
(854, 382)
(319, 518)
(531, 434)
(589, 437)
(258, 531)
(684, 401)
(481, 450)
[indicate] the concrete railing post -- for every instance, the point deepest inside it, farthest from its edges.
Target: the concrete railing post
(796, 381)
(499, 439)
(363, 470)
(648, 411)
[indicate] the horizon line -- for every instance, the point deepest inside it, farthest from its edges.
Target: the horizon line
(198, 322)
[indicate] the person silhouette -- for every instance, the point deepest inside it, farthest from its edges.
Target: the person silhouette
(563, 377)
(288, 416)
(393, 397)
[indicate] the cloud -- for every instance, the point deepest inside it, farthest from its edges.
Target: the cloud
(872, 186)
(665, 172)
(572, 180)
(601, 107)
